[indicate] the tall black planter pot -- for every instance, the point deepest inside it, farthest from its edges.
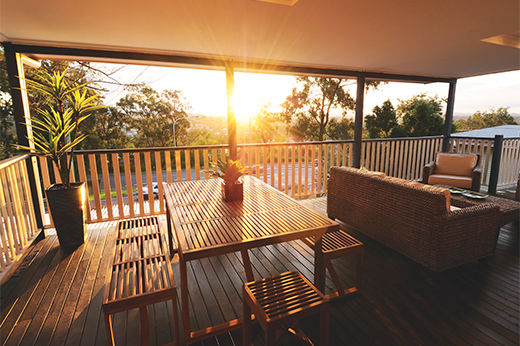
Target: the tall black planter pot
(67, 207)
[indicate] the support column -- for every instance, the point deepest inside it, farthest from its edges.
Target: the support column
(16, 77)
(231, 119)
(358, 122)
(495, 164)
(449, 116)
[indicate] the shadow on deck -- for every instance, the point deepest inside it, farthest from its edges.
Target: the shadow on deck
(55, 298)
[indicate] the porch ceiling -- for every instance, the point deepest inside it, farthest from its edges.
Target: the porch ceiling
(408, 37)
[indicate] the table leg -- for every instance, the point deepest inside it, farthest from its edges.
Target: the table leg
(184, 298)
(247, 265)
(169, 231)
(319, 266)
(145, 328)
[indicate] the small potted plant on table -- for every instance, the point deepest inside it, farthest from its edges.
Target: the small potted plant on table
(230, 171)
(55, 134)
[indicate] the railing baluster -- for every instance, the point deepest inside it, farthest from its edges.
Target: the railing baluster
(149, 182)
(313, 174)
(264, 163)
(106, 185)
(17, 212)
(293, 170)
(206, 163)
(168, 164)
(306, 170)
(271, 165)
(187, 163)
(95, 186)
(7, 216)
(117, 182)
(158, 173)
(83, 177)
(320, 168)
(28, 195)
(178, 164)
(128, 183)
(286, 159)
(325, 168)
(279, 154)
(299, 154)
(196, 158)
(139, 181)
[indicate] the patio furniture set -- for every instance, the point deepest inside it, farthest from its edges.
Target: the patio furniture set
(422, 222)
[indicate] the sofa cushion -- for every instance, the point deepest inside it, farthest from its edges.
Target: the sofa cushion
(455, 164)
(450, 180)
(424, 187)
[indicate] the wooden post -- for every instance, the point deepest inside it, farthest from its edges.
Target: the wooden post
(495, 164)
(449, 117)
(231, 120)
(358, 122)
(16, 77)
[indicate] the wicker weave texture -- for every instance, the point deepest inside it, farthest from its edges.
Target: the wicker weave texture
(412, 220)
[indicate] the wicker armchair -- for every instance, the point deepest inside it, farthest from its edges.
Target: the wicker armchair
(412, 218)
(451, 169)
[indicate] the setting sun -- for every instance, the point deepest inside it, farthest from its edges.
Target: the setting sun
(254, 90)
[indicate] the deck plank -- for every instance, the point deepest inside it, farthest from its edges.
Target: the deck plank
(56, 297)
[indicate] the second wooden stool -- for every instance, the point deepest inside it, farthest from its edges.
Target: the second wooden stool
(279, 302)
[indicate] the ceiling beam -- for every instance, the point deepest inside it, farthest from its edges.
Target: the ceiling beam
(215, 62)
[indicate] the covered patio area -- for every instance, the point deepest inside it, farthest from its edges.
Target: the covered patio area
(55, 297)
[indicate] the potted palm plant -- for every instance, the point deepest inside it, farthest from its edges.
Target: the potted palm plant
(55, 135)
(230, 171)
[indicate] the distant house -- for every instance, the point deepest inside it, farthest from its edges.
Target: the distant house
(508, 131)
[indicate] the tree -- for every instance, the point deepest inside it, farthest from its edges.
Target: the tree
(340, 128)
(421, 116)
(382, 121)
(484, 119)
(151, 116)
(307, 111)
(7, 129)
(264, 125)
(106, 129)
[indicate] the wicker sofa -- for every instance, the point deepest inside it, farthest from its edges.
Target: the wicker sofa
(414, 219)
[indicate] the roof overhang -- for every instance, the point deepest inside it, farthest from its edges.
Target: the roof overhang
(386, 40)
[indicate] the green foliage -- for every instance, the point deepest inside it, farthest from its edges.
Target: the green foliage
(151, 116)
(484, 119)
(7, 129)
(341, 128)
(421, 116)
(55, 126)
(382, 121)
(227, 169)
(265, 125)
(307, 110)
(106, 129)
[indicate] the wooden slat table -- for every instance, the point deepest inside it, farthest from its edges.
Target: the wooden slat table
(204, 225)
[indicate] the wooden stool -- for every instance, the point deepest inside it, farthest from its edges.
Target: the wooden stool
(141, 274)
(279, 302)
(338, 244)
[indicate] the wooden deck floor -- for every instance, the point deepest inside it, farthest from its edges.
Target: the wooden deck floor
(55, 297)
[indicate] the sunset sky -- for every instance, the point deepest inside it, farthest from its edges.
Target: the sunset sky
(205, 90)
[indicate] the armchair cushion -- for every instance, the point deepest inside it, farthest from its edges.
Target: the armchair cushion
(455, 164)
(450, 180)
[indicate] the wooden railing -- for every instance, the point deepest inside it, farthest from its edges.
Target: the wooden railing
(18, 226)
(510, 156)
(298, 169)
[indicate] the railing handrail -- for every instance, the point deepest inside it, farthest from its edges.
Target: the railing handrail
(483, 138)
(12, 160)
(224, 146)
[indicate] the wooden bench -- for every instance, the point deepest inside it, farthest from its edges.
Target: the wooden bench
(141, 274)
(279, 302)
(338, 244)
